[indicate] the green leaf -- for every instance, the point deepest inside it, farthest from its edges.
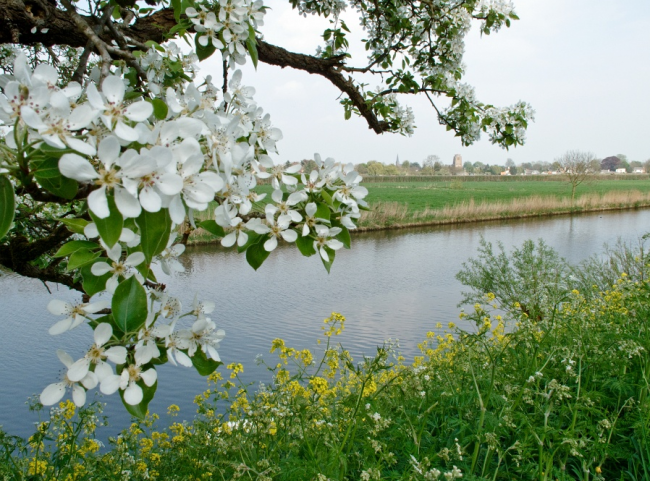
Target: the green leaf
(160, 109)
(344, 235)
(72, 246)
(46, 172)
(253, 238)
(203, 365)
(80, 258)
(331, 254)
(140, 410)
(107, 319)
(129, 305)
(155, 228)
(306, 246)
(251, 45)
(201, 51)
(256, 254)
(322, 211)
(75, 225)
(327, 197)
(109, 228)
(213, 228)
(176, 5)
(93, 284)
(7, 205)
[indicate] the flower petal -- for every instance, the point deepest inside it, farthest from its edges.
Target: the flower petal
(128, 205)
(76, 167)
(139, 111)
(103, 333)
(79, 369)
(59, 307)
(133, 394)
(149, 376)
(113, 89)
(97, 202)
(78, 395)
(52, 394)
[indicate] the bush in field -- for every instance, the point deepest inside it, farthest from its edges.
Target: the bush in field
(565, 397)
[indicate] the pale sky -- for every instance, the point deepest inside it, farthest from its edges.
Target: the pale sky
(584, 66)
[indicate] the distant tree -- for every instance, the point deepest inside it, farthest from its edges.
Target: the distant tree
(526, 165)
(361, 168)
(622, 157)
(469, 167)
(391, 169)
(431, 160)
(416, 166)
(594, 165)
(557, 166)
(510, 163)
(479, 167)
(625, 165)
(496, 170)
(437, 166)
(375, 168)
(406, 164)
(308, 165)
(514, 170)
(576, 168)
(610, 163)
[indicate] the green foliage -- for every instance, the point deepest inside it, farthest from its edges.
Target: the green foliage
(7, 205)
(110, 228)
(154, 228)
(532, 279)
(129, 305)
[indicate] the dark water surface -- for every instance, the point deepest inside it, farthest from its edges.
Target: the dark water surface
(391, 284)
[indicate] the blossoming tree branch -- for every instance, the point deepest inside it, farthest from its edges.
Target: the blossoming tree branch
(111, 142)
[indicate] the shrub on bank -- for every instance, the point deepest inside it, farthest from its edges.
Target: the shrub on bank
(561, 395)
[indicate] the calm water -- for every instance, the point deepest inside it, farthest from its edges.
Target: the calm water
(394, 284)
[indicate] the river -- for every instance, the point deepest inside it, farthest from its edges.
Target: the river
(391, 284)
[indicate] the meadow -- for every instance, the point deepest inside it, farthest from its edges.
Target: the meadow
(419, 196)
(395, 204)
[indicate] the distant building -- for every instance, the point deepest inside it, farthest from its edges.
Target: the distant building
(621, 170)
(397, 162)
(458, 162)
(505, 172)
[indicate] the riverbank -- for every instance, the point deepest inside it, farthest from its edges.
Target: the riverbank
(395, 215)
(402, 215)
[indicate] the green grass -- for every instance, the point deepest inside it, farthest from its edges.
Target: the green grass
(437, 195)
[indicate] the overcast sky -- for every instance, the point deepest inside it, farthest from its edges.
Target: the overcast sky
(584, 66)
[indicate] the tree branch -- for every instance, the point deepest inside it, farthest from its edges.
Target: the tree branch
(18, 254)
(330, 68)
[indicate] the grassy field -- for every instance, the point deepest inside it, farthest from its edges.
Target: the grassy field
(421, 195)
(418, 203)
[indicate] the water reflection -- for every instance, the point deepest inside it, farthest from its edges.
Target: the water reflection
(392, 284)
